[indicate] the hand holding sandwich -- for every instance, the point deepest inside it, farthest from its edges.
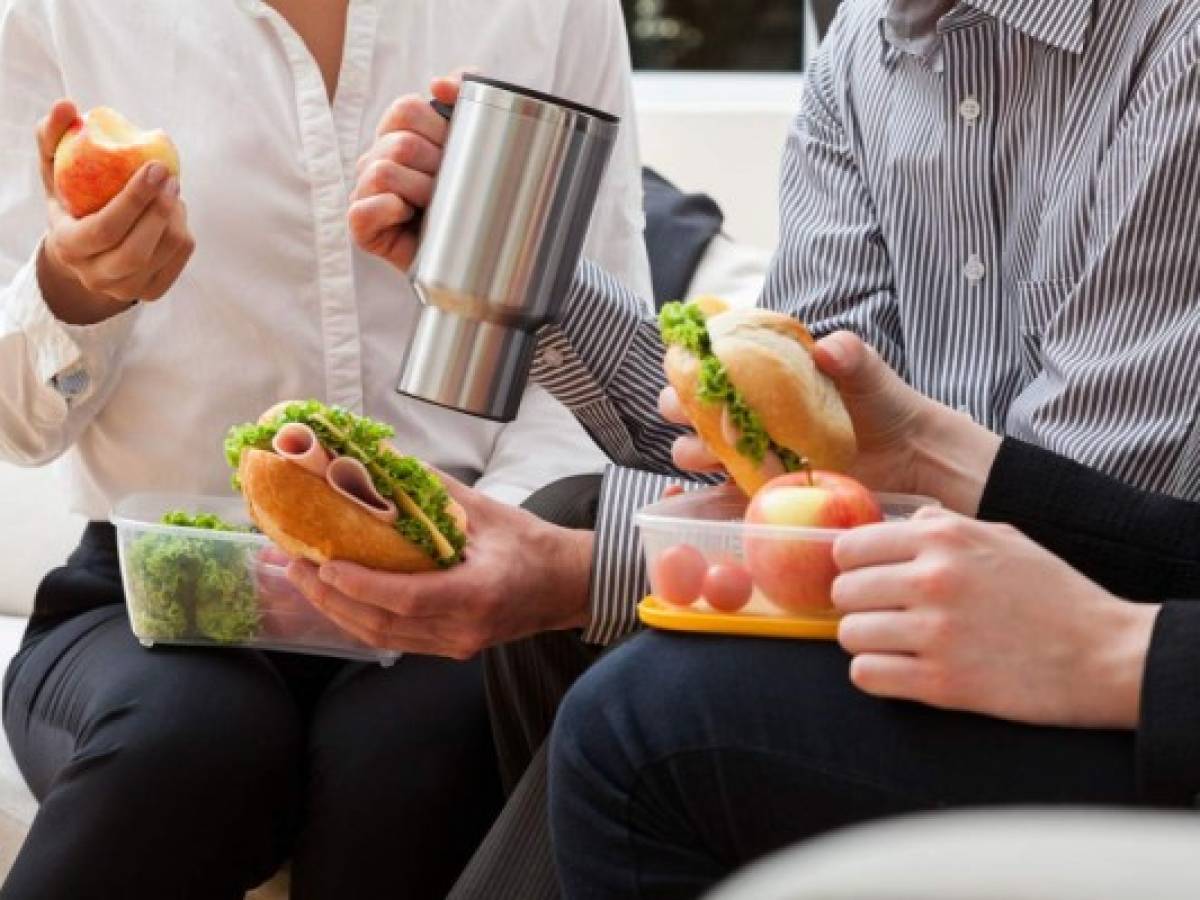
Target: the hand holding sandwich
(521, 576)
(906, 442)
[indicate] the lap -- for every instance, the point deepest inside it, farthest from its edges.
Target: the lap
(789, 706)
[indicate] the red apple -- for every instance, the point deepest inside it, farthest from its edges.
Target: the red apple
(99, 154)
(795, 573)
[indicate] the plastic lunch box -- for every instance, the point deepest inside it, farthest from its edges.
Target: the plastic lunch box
(712, 521)
(206, 588)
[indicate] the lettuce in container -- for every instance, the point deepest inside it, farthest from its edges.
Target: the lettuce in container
(187, 587)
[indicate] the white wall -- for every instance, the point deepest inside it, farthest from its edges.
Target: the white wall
(721, 135)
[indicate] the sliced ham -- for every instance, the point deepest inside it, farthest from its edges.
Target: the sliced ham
(298, 443)
(350, 478)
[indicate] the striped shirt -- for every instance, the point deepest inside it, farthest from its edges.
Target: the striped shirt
(1012, 226)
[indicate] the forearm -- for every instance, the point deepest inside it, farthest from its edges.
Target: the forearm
(603, 361)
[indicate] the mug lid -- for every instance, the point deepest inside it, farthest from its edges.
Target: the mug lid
(543, 97)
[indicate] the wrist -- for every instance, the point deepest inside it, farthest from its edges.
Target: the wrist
(1113, 665)
(569, 576)
(954, 455)
(69, 301)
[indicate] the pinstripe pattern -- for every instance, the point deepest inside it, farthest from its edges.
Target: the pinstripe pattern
(1010, 225)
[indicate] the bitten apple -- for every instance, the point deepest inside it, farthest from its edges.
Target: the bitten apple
(796, 573)
(99, 154)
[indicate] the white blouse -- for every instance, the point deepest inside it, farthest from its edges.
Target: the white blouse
(276, 302)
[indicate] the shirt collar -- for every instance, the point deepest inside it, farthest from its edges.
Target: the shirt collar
(1064, 24)
(1060, 23)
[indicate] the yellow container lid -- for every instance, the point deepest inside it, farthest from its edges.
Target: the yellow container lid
(660, 614)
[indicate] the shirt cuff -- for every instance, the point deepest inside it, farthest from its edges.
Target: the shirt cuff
(73, 359)
(1168, 740)
(578, 357)
(619, 579)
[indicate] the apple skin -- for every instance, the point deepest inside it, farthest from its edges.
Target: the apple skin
(99, 154)
(796, 574)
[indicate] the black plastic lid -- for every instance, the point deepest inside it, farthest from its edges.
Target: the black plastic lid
(545, 98)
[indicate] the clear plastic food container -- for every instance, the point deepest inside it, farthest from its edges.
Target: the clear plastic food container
(710, 570)
(208, 588)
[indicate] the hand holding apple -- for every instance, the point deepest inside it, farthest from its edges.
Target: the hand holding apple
(136, 243)
(796, 573)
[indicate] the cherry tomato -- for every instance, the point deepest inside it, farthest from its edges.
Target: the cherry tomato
(679, 574)
(727, 587)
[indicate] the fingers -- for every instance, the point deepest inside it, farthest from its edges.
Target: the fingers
(377, 225)
(840, 354)
(383, 176)
(391, 592)
(879, 587)
(412, 113)
(371, 625)
(670, 408)
(144, 264)
(892, 676)
(692, 454)
(882, 632)
(169, 273)
(104, 230)
(877, 545)
(50, 133)
(447, 88)
(402, 148)
(671, 490)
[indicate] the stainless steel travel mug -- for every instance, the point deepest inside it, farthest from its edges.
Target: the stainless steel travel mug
(501, 241)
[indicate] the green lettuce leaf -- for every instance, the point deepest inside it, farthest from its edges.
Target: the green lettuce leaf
(683, 325)
(188, 587)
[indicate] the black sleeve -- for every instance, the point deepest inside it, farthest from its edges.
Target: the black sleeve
(1168, 737)
(1139, 545)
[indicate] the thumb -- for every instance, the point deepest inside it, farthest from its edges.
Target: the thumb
(850, 362)
(445, 89)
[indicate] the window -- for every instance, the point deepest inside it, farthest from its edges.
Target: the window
(717, 35)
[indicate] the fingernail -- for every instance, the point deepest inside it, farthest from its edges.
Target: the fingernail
(836, 352)
(172, 188)
(327, 574)
(156, 175)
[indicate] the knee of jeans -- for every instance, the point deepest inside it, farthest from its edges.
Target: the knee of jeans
(615, 717)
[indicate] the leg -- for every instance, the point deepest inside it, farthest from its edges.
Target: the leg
(526, 681)
(678, 759)
(402, 783)
(164, 773)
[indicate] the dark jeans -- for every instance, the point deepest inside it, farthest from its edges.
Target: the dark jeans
(181, 773)
(677, 759)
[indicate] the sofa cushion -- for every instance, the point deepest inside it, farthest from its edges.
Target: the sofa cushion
(38, 532)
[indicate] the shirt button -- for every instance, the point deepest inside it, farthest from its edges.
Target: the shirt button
(974, 270)
(552, 358)
(970, 110)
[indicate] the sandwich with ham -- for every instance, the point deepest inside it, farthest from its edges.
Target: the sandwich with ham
(325, 484)
(748, 382)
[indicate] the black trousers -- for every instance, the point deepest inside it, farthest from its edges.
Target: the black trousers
(190, 773)
(677, 759)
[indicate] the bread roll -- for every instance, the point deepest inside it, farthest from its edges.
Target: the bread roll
(768, 359)
(307, 518)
